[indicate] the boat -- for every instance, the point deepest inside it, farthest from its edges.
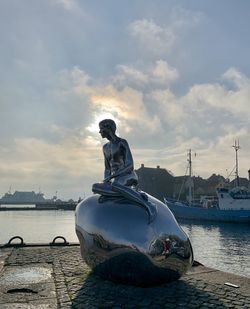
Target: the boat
(229, 205)
(22, 197)
(30, 200)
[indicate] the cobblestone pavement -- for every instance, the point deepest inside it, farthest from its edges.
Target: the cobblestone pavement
(58, 278)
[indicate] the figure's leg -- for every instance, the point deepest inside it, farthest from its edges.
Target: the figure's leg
(104, 189)
(136, 197)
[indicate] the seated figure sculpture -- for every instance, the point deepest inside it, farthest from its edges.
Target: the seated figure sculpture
(120, 178)
(126, 235)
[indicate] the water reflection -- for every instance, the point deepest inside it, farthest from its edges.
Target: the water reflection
(224, 246)
(221, 246)
(37, 226)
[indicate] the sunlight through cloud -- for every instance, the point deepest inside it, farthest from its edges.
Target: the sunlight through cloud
(94, 126)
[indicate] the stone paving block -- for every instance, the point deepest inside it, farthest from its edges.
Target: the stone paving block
(30, 305)
(76, 287)
(4, 253)
(27, 293)
(23, 286)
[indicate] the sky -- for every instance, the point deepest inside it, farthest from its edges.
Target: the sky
(174, 75)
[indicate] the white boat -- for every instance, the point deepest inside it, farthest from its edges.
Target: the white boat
(230, 205)
(234, 199)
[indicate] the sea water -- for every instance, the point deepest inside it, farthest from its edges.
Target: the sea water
(224, 246)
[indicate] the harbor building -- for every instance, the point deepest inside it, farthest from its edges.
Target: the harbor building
(160, 182)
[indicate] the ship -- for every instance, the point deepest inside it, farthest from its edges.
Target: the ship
(21, 200)
(22, 197)
(229, 205)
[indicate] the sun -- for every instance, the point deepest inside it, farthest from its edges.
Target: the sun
(94, 126)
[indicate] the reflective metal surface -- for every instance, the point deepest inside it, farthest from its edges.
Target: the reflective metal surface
(118, 243)
(120, 178)
(126, 235)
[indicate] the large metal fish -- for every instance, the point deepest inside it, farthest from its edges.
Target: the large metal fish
(119, 243)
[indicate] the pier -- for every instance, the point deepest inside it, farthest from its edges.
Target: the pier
(56, 277)
(40, 206)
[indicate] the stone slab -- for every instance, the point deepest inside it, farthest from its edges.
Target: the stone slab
(30, 305)
(27, 286)
(72, 285)
(4, 253)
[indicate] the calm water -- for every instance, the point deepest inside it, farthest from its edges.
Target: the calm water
(221, 246)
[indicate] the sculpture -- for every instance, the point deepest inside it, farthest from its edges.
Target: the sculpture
(120, 178)
(125, 234)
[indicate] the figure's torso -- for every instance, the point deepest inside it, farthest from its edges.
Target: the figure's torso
(114, 153)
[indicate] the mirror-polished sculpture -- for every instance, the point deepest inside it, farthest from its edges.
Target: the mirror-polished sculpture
(125, 234)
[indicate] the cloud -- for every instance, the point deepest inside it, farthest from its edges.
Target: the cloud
(236, 78)
(197, 119)
(61, 77)
(184, 19)
(159, 39)
(64, 165)
(130, 75)
(234, 101)
(66, 4)
(155, 74)
(125, 105)
(155, 38)
(163, 73)
(169, 107)
(160, 125)
(220, 153)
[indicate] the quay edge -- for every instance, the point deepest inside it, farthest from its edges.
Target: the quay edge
(57, 277)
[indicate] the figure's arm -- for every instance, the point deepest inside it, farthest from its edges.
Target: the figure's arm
(107, 169)
(128, 161)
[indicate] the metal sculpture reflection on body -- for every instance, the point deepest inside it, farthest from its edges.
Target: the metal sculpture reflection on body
(121, 241)
(119, 175)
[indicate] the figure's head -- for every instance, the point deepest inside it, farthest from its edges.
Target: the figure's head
(107, 127)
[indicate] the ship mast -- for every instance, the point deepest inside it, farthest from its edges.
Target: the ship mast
(236, 147)
(190, 177)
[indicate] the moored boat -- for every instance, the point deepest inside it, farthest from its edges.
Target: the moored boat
(230, 205)
(185, 211)
(235, 199)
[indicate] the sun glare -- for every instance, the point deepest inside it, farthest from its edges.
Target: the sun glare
(94, 126)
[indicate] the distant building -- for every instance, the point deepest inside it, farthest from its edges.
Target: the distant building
(158, 182)
(244, 182)
(200, 186)
(23, 197)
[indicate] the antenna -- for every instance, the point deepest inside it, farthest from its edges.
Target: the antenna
(189, 159)
(190, 176)
(236, 147)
